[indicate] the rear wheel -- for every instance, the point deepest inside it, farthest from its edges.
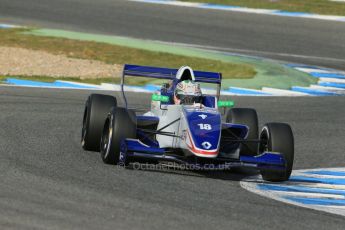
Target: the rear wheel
(119, 125)
(96, 110)
(277, 137)
(248, 117)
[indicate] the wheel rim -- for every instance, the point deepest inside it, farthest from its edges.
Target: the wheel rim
(264, 141)
(84, 129)
(106, 137)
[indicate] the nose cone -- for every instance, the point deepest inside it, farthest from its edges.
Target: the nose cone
(204, 133)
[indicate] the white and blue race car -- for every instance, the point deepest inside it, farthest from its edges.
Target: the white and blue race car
(188, 134)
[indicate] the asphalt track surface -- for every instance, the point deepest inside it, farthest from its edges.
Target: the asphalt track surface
(49, 182)
(308, 41)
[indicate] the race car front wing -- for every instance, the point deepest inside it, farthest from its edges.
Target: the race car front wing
(133, 150)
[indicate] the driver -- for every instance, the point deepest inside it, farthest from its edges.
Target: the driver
(187, 92)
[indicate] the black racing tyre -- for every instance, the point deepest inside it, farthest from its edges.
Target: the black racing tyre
(248, 117)
(278, 137)
(97, 107)
(120, 124)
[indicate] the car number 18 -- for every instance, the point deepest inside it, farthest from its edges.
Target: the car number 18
(205, 126)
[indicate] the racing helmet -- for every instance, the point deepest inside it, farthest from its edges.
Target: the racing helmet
(187, 92)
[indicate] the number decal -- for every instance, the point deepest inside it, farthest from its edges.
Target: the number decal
(205, 126)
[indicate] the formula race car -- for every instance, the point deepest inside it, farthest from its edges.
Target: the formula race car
(189, 133)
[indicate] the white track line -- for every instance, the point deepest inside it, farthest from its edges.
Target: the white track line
(333, 80)
(283, 92)
(309, 195)
(245, 10)
(327, 88)
(252, 184)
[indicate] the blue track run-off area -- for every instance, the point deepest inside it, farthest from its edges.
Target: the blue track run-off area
(330, 83)
(319, 189)
(55, 84)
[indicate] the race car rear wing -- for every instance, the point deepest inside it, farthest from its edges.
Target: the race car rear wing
(168, 73)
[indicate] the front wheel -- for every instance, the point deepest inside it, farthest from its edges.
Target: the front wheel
(277, 137)
(119, 125)
(96, 110)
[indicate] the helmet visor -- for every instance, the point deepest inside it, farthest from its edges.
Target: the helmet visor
(188, 99)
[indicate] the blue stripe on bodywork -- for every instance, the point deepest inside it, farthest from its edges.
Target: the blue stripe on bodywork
(266, 158)
(317, 201)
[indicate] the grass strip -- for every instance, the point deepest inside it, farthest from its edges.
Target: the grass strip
(114, 54)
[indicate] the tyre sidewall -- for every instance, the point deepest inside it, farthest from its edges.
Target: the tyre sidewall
(123, 123)
(280, 140)
(97, 109)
